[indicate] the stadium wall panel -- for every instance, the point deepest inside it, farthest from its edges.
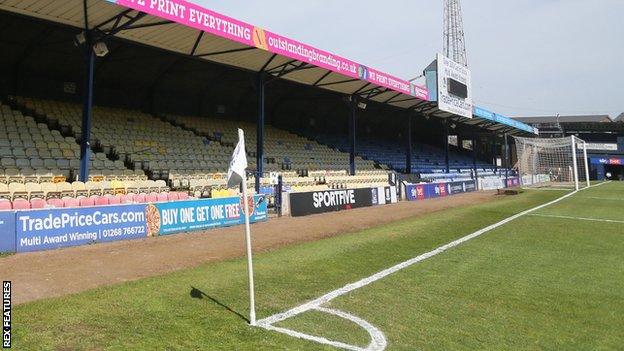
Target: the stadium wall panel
(47, 229)
(416, 192)
(303, 204)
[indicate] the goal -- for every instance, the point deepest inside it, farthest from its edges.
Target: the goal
(556, 162)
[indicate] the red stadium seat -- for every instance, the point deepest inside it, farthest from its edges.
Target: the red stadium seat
(173, 196)
(151, 197)
(113, 200)
(126, 199)
(21, 204)
(100, 200)
(183, 196)
(37, 203)
(56, 203)
(87, 201)
(5, 205)
(140, 198)
(162, 197)
(69, 202)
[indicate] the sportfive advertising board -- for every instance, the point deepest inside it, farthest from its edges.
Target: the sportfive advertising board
(415, 192)
(303, 204)
(46, 229)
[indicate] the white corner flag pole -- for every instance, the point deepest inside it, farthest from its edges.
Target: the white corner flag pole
(237, 175)
(252, 302)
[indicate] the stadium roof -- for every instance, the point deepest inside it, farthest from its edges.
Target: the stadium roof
(188, 29)
(619, 118)
(565, 119)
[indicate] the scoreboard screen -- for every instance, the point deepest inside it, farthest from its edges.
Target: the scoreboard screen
(458, 89)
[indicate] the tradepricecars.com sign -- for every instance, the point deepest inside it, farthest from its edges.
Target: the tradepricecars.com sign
(303, 204)
(57, 228)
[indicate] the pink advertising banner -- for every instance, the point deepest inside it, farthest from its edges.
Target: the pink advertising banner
(195, 16)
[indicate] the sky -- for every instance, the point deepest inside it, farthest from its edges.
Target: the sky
(527, 57)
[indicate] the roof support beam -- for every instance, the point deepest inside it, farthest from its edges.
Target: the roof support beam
(225, 52)
(264, 67)
(322, 78)
(197, 41)
(402, 100)
(117, 18)
(285, 70)
(361, 88)
(147, 25)
(338, 82)
(389, 100)
(118, 26)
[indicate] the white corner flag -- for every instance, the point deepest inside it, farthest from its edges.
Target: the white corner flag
(237, 176)
(236, 173)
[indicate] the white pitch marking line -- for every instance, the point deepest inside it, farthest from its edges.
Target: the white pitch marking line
(602, 198)
(378, 340)
(578, 218)
(267, 323)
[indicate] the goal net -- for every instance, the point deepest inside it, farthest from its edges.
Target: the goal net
(557, 162)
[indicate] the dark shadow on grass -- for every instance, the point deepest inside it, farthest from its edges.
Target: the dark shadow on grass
(198, 294)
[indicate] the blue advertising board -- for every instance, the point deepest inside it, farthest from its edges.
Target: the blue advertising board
(184, 216)
(434, 190)
(7, 231)
(495, 117)
(56, 228)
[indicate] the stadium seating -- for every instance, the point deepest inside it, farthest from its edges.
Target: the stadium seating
(191, 153)
(425, 158)
(289, 154)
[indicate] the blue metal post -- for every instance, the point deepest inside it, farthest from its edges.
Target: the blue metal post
(260, 130)
(506, 158)
(85, 142)
(352, 136)
(474, 158)
(408, 147)
(446, 147)
(495, 152)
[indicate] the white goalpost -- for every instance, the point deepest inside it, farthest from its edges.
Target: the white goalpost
(556, 162)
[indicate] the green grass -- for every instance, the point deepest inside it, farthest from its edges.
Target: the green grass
(535, 284)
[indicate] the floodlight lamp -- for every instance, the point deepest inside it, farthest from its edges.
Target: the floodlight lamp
(100, 49)
(80, 39)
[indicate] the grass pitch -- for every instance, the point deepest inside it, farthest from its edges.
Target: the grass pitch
(537, 283)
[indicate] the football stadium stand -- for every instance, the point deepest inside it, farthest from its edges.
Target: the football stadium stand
(425, 158)
(40, 157)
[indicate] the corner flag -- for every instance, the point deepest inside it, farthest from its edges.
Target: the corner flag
(236, 173)
(237, 176)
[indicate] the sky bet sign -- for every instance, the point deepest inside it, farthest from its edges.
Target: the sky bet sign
(433, 190)
(607, 161)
